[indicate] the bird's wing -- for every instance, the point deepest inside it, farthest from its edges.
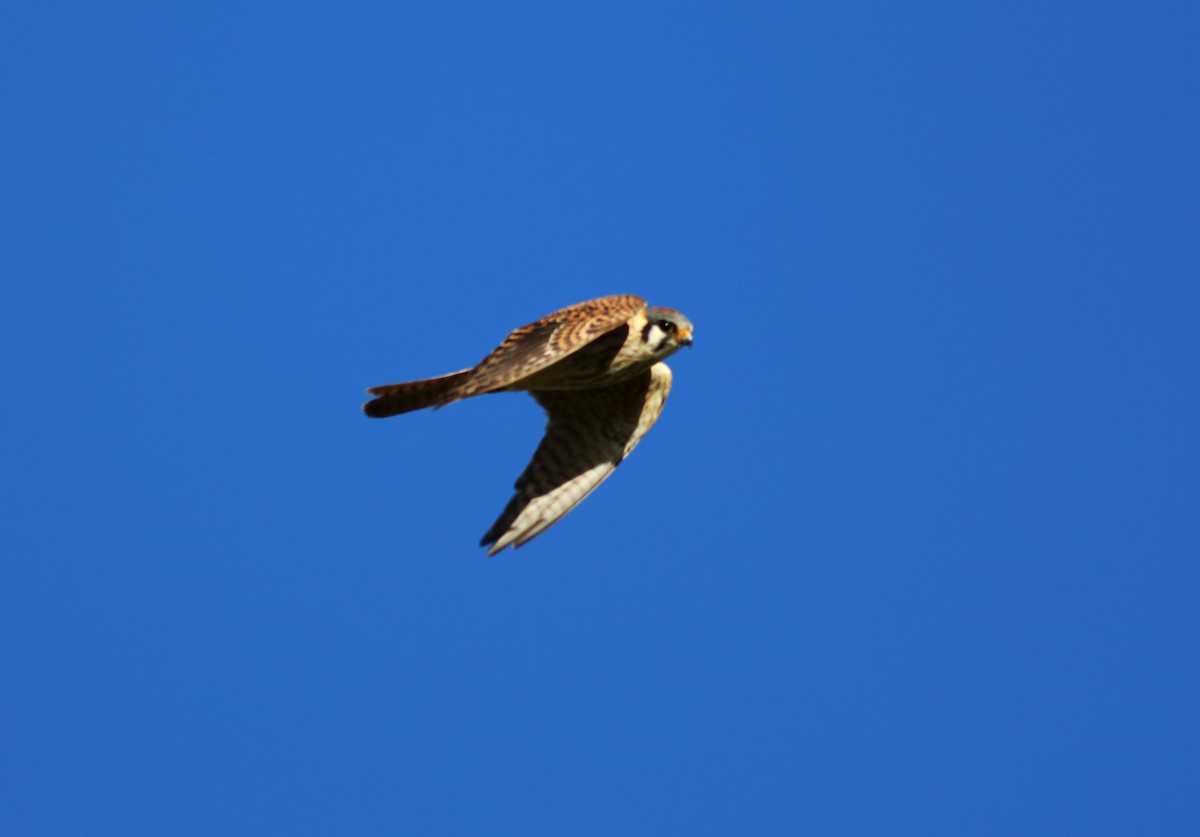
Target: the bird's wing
(532, 348)
(588, 433)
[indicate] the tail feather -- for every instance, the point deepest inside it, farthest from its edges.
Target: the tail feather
(394, 399)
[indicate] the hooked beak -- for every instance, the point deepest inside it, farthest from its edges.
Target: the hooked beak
(684, 338)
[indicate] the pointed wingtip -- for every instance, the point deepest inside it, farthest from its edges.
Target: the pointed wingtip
(494, 545)
(489, 541)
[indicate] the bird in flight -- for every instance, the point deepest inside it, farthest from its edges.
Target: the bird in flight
(596, 369)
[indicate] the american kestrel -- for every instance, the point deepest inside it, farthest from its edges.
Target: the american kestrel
(596, 369)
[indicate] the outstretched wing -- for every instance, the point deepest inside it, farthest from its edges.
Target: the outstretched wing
(588, 433)
(532, 348)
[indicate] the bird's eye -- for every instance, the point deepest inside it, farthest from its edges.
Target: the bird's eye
(667, 326)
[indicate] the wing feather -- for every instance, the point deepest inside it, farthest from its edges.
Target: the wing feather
(588, 433)
(532, 348)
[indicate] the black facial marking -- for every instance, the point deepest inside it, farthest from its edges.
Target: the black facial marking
(667, 327)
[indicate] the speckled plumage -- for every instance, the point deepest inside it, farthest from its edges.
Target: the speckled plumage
(596, 369)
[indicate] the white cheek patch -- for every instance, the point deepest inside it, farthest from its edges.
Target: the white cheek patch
(656, 337)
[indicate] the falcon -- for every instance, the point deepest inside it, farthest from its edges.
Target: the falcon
(597, 370)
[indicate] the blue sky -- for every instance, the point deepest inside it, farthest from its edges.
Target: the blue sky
(912, 550)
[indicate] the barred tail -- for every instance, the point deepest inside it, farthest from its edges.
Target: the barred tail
(394, 399)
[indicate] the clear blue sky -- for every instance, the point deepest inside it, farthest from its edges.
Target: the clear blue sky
(913, 550)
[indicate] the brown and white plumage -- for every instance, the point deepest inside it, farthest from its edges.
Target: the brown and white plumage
(588, 433)
(596, 369)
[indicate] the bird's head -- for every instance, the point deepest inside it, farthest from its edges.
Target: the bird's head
(666, 330)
